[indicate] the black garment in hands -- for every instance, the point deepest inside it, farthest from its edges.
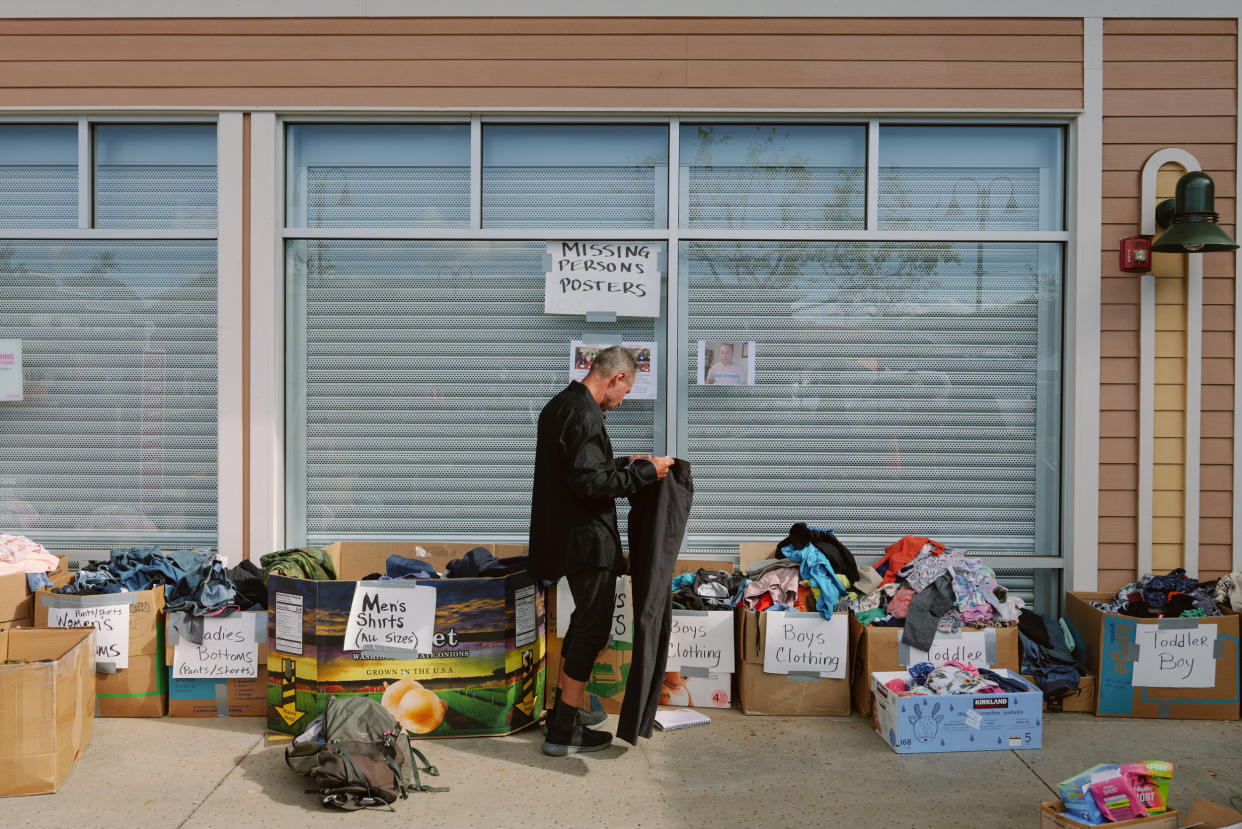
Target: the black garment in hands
(658, 515)
(573, 516)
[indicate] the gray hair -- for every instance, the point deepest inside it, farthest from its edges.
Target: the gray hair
(613, 359)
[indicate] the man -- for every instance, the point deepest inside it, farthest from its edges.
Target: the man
(573, 529)
(724, 372)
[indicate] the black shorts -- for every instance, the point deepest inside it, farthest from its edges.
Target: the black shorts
(590, 625)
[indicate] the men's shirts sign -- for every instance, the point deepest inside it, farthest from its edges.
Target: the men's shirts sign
(386, 618)
(805, 643)
(111, 624)
(622, 616)
(228, 650)
(585, 277)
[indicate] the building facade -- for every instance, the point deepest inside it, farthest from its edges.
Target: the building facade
(279, 280)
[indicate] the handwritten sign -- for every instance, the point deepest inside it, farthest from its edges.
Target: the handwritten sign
(111, 624)
(623, 610)
(228, 650)
(967, 646)
(704, 641)
(1176, 658)
(392, 618)
(581, 277)
(805, 644)
(11, 369)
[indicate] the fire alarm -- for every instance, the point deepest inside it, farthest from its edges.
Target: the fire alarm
(1135, 254)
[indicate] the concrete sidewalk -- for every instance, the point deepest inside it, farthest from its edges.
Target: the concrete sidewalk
(738, 771)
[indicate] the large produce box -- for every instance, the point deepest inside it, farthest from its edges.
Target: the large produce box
(449, 657)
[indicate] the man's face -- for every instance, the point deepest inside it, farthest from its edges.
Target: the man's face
(726, 353)
(618, 387)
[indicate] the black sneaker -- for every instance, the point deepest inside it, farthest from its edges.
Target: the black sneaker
(567, 735)
(589, 719)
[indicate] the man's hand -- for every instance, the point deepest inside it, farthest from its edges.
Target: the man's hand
(661, 465)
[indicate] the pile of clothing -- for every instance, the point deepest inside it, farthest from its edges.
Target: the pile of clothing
(195, 582)
(18, 554)
(1228, 590)
(924, 588)
(708, 590)
(811, 571)
(954, 677)
(477, 563)
(1173, 595)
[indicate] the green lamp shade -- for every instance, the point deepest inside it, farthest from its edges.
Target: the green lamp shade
(1191, 219)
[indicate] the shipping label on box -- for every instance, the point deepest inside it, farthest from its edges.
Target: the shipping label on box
(922, 724)
(1182, 668)
(478, 670)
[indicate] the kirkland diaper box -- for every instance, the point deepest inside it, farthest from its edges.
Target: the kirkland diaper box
(957, 722)
(1183, 668)
(224, 673)
(448, 657)
(790, 663)
(47, 699)
(131, 680)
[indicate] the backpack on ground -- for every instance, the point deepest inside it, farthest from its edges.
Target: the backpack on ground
(358, 756)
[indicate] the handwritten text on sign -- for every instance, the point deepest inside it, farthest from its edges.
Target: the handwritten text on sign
(622, 613)
(968, 646)
(702, 642)
(1176, 658)
(597, 276)
(228, 651)
(11, 369)
(401, 618)
(111, 624)
(805, 643)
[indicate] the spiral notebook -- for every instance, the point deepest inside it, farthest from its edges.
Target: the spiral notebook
(666, 720)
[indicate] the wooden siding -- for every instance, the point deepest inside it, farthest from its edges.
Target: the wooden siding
(1167, 83)
(629, 63)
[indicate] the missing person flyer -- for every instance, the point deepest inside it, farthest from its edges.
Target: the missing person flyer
(582, 355)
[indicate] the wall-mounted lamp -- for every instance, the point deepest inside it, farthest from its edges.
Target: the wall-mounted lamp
(1191, 218)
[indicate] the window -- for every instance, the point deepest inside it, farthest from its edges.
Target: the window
(38, 175)
(114, 443)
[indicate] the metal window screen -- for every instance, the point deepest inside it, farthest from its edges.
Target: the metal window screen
(901, 388)
(575, 196)
(169, 196)
(417, 371)
(386, 196)
(788, 197)
(38, 195)
(115, 442)
(962, 198)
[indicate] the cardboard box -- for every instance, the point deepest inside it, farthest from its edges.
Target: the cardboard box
(1166, 668)
(957, 722)
(880, 649)
(1208, 815)
(790, 694)
(141, 689)
(45, 718)
(16, 600)
(486, 672)
(609, 675)
(1052, 816)
(28, 622)
(213, 697)
(709, 691)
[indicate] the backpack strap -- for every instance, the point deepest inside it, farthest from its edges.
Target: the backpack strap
(427, 767)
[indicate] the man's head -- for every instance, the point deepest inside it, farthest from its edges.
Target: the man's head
(611, 376)
(725, 352)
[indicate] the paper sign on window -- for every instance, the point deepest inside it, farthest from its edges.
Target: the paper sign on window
(10, 370)
(582, 355)
(1175, 658)
(582, 277)
(805, 643)
(622, 617)
(702, 641)
(111, 624)
(228, 650)
(392, 618)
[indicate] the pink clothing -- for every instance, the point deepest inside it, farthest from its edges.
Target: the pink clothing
(19, 554)
(781, 583)
(899, 605)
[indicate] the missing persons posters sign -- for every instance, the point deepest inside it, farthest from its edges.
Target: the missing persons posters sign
(586, 277)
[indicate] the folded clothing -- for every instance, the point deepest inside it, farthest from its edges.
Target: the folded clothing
(310, 563)
(18, 554)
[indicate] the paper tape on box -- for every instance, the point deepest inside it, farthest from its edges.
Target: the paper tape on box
(1218, 648)
(222, 699)
(1129, 651)
(59, 600)
(1178, 623)
(803, 676)
(696, 671)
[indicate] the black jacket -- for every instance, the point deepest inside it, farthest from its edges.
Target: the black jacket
(573, 516)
